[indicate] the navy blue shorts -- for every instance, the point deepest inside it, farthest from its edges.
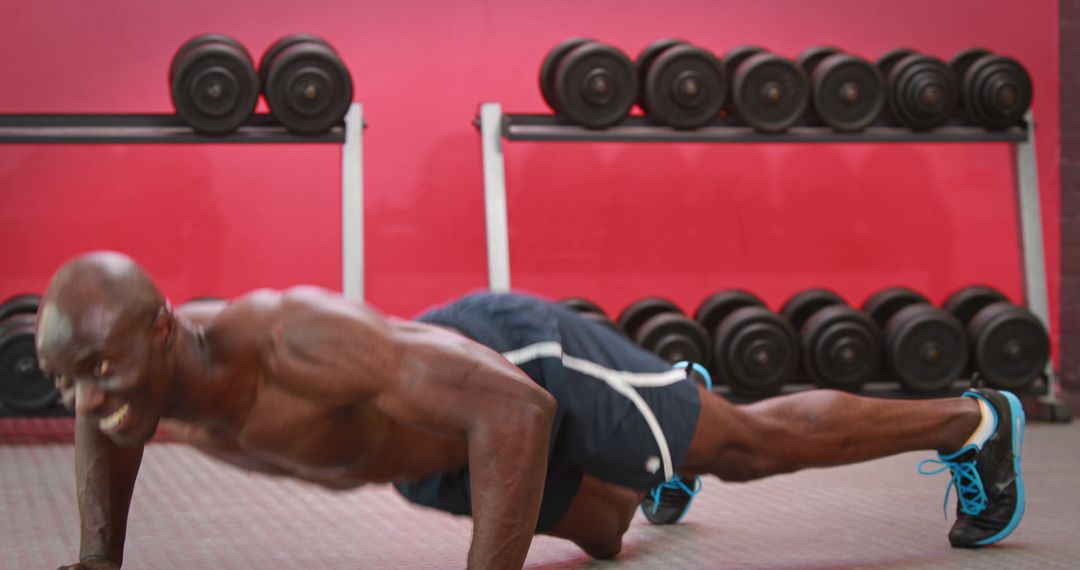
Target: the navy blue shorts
(624, 415)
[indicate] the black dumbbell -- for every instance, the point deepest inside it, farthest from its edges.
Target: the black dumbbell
(996, 90)
(661, 327)
(922, 90)
(754, 350)
(213, 84)
(768, 92)
(306, 84)
(23, 388)
(590, 83)
(841, 346)
(926, 348)
(589, 310)
(680, 85)
(1010, 345)
(847, 92)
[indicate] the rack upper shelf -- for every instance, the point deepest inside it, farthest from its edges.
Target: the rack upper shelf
(144, 129)
(540, 128)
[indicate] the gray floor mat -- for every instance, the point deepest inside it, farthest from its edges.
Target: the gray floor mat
(191, 512)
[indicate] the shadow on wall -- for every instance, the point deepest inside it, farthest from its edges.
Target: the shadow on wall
(914, 229)
(611, 235)
(415, 251)
(154, 192)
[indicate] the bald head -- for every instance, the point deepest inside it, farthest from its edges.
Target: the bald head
(91, 295)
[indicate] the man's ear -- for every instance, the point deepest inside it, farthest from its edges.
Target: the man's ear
(164, 325)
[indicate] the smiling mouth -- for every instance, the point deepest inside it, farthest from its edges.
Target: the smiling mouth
(113, 421)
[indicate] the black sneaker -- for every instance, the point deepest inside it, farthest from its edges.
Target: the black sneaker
(989, 488)
(668, 502)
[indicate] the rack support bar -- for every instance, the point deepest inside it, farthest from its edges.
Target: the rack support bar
(498, 246)
(352, 205)
(1032, 253)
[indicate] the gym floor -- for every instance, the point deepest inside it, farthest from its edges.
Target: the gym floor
(192, 512)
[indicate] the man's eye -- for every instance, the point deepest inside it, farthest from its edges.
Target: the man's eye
(101, 368)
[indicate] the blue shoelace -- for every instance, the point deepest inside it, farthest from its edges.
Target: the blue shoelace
(966, 479)
(675, 483)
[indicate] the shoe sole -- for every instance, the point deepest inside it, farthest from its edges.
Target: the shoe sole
(1017, 441)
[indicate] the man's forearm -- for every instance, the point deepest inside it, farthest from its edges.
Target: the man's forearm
(105, 477)
(508, 468)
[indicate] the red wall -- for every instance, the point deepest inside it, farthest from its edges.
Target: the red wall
(614, 222)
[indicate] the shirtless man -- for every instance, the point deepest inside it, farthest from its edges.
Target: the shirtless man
(504, 407)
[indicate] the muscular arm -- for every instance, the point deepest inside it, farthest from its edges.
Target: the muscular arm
(506, 420)
(105, 477)
(444, 382)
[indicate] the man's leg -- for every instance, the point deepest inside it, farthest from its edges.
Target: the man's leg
(820, 428)
(598, 517)
(978, 438)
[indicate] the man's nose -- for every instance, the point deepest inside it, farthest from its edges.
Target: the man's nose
(88, 397)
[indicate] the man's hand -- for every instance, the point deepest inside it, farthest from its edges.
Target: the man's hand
(92, 563)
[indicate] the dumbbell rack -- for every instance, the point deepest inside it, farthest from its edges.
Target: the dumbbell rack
(260, 129)
(169, 129)
(495, 127)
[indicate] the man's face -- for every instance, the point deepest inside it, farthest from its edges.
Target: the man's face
(106, 366)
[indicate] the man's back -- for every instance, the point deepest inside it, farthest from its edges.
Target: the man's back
(273, 347)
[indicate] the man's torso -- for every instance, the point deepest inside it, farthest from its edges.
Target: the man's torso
(290, 426)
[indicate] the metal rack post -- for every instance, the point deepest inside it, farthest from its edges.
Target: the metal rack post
(498, 241)
(352, 205)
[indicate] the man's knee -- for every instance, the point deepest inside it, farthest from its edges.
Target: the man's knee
(604, 551)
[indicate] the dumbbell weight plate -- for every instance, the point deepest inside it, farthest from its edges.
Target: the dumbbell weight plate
(199, 40)
(308, 87)
(213, 85)
(719, 305)
(736, 55)
(848, 92)
(801, 306)
(922, 92)
(997, 92)
(674, 338)
(595, 85)
(280, 44)
(731, 61)
(685, 87)
(967, 302)
(1011, 346)
(926, 348)
(808, 60)
(645, 60)
(811, 57)
(881, 306)
(755, 351)
(890, 58)
(963, 60)
(23, 387)
(23, 303)
(769, 92)
(580, 305)
(550, 65)
(841, 348)
(602, 319)
(636, 313)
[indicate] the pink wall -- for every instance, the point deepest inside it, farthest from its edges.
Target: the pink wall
(614, 222)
